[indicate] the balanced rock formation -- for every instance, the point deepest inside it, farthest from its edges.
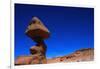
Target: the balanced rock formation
(37, 31)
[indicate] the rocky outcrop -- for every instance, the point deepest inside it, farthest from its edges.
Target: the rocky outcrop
(86, 54)
(37, 56)
(23, 60)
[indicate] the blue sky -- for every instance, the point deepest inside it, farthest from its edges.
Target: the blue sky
(71, 28)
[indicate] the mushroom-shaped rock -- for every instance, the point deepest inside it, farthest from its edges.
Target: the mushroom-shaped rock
(36, 29)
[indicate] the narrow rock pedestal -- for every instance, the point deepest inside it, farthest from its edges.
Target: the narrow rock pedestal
(38, 32)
